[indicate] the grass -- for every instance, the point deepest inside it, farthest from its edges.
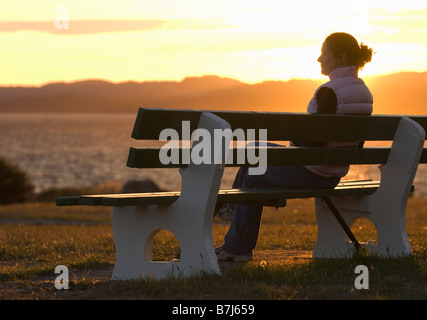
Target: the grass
(39, 236)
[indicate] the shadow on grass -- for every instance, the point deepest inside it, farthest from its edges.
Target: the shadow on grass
(395, 278)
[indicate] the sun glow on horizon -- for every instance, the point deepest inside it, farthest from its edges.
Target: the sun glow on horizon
(248, 40)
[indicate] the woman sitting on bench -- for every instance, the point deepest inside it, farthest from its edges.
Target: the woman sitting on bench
(341, 58)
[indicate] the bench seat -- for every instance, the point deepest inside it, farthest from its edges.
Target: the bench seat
(272, 197)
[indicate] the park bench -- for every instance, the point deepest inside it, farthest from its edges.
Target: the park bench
(188, 213)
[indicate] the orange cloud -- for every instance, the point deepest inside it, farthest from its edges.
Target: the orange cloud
(82, 26)
(76, 27)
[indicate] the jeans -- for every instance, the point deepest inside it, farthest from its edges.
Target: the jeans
(242, 235)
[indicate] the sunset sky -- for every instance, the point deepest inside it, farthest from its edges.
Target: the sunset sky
(248, 40)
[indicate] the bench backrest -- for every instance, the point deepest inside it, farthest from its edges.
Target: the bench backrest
(280, 127)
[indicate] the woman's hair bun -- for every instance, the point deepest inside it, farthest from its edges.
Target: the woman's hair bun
(365, 55)
(344, 43)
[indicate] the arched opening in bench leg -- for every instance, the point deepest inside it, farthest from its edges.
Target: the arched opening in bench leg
(163, 246)
(365, 232)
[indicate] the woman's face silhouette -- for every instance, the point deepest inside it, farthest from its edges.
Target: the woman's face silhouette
(328, 61)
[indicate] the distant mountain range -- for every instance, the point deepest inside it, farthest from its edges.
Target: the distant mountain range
(400, 93)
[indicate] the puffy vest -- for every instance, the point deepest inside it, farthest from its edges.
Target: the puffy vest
(353, 97)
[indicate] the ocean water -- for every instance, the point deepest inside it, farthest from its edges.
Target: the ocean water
(74, 150)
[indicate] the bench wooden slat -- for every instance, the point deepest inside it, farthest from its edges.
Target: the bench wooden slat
(68, 201)
(149, 157)
(281, 126)
(266, 196)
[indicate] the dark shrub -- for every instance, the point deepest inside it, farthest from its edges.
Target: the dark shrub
(15, 185)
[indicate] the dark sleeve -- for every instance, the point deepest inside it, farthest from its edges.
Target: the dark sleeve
(326, 101)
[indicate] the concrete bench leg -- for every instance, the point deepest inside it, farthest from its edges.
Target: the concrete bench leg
(332, 241)
(386, 208)
(189, 219)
